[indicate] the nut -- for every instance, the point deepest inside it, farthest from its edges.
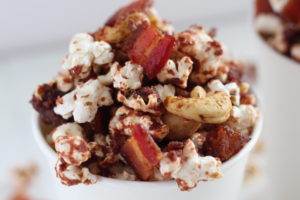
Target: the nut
(214, 108)
(180, 128)
(198, 91)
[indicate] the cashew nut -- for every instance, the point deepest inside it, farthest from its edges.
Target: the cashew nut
(180, 128)
(215, 108)
(198, 91)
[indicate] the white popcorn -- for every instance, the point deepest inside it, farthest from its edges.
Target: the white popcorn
(165, 91)
(107, 79)
(178, 75)
(84, 101)
(72, 175)
(88, 97)
(190, 168)
(83, 52)
(87, 177)
(81, 43)
(278, 5)
(124, 78)
(198, 140)
(243, 118)
(128, 77)
(136, 102)
(295, 51)
(102, 53)
(197, 43)
(162, 24)
(64, 81)
(65, 105)
(125, 118)
(70, 145)
(268, 24)
(66, 130)
(80, 64)
(231, 89)
(73, 149)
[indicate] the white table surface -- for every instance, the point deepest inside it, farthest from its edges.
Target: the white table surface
(22, 70)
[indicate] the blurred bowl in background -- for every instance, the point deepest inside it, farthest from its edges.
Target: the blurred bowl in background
(279, 77)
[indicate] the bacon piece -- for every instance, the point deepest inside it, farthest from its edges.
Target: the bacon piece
(141, 152)
(136, 6)
(151, 49)
(147, 145)
(292, 11)
(137, 160)
(263, 6)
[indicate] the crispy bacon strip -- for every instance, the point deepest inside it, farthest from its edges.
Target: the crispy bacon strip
(136, 6)
(151, 49)
(141, 152)
(137, 160)
(147, 145)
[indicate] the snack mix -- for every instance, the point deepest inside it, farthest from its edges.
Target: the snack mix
(137, 101)
(278, 22)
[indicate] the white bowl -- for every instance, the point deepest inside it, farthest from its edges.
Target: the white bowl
(279, 77)
(226, 188)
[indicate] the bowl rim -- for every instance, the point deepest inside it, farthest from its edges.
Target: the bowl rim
(51, 155)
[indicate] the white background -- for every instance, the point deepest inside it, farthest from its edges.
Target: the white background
(25, 23)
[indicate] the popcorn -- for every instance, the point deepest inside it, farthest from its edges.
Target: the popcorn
(67, 130)
(128, 77)
(162, 24)
(177, 75)
(243, 118)
(268, 24)
(118, 33)
(83, 52)
(125, 118)
(197, 43)
(72, 175)
(64, 81)
(70, 145)
(231, 89)
(198, 139)
(73, 149)
(137, 100)
(190, 168)
(165, 91)
(83, 102)
(109, 77)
